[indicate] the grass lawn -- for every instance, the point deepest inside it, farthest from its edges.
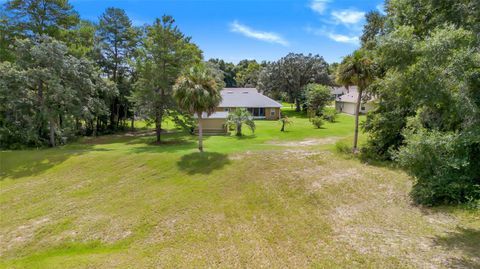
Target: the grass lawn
(268, 199)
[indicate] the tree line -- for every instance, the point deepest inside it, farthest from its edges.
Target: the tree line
(421, 61)
(63, 77)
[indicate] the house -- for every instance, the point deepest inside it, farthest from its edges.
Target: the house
(338, 91)
(215, 124)
(261, 106)
(347, 102)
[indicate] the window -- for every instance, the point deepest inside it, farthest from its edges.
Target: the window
(272, 112)
(227, 109)
(362, 108)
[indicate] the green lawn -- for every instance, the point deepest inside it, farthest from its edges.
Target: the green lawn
(268, 199)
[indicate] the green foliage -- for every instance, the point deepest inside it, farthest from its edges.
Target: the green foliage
(47, 94)
(317, 122)
(198, 91)
(374, 28)
(292, 73)
(117, 44)
(42, 17)
(8, 33)
(248, 76)
(238, 117)
(431, 73)
(330, 114)
(166, 53)
(285, 121)
(445, 165)
(343, 147)
(317, 97)
(81, 39)
(358, 69)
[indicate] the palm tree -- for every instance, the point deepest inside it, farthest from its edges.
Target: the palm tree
(356, 69)
(284, 121)
(197, 91)
(239, 117)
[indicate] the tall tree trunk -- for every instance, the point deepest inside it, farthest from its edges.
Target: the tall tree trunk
(95, 128)
(200, 132)
(239, 129)
(357, 112)
(52, 132)
(297, 105)
(158, 126)
(283, 127)
(133, 122)
(118, 115)
(112, 114)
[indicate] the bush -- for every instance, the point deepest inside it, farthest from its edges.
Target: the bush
(343, 147)
(330, 114)
(317, 97)
(317, 122)
(445, 166)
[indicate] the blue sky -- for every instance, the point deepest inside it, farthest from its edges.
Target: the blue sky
(246, 29)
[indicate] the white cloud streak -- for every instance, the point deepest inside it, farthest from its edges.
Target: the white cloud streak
(348, 16)
(344, 38)
(349, 39)
(319, 6)
(270, 37)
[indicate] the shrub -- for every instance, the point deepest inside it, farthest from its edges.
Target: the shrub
(317, 122)
(329, 114)
(317, 97)
(343, 147)
(445, 166)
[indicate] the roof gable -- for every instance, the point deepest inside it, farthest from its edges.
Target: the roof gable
(246, 97)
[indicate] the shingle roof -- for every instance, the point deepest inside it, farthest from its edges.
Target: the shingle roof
(215, 115)
(245, 97)
(342, 90)
(351, 96)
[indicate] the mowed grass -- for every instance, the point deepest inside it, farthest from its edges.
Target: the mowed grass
(268, 199)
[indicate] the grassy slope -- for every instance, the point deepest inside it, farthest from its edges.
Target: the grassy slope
(270, 199)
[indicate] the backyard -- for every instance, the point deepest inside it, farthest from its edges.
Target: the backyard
(269, 199)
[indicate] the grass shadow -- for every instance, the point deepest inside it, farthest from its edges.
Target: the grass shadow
(466, 240)
(292, 113)
(202, 162)
(244, 137)
(170, 143)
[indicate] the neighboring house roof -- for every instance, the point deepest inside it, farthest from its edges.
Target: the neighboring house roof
(215, 115)
(246, 97)
(351, 96)
(342, 90)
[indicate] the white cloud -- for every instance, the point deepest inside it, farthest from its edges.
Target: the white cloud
(344, 38)
(319, 6)
(264, 36)
(348, 16)
(349, 39)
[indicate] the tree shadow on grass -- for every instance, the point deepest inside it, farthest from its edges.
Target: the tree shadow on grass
(202, 162)
(170, 143)
(466, 240)
(244, 137)
(292, 113)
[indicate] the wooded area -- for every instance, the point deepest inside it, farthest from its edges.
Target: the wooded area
(62, 77)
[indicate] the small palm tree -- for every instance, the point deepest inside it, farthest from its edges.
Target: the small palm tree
(356, 69)
(239, 117)
(285, 121)
(197, 91)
